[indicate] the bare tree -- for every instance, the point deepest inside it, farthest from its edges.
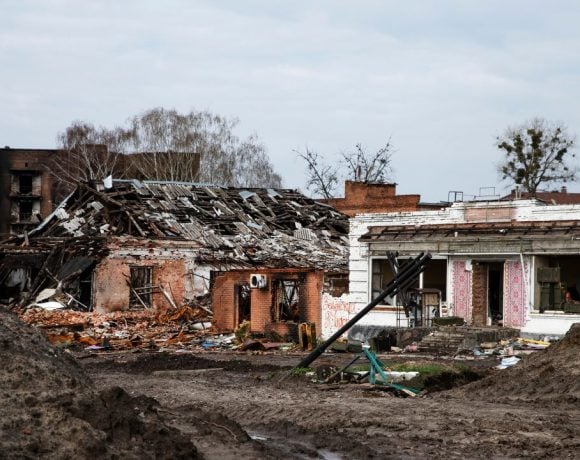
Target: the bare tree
(252, 167)
(358, 165)
(322, 177)
(537, 153)
(167, 145)
(88, 153)
(363, 166)
(225, 159)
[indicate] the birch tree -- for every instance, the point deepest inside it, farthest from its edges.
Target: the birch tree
(163, 144)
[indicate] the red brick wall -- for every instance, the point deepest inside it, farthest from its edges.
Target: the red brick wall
(490, 214)
(24, 160)
(111, 291)
(224, 301)
(360, 197)
(479, 290)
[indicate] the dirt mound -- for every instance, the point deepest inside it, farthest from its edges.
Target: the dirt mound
(51, 409)
(148, 362)
(551, 375)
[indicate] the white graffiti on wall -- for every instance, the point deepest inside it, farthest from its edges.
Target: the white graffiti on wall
(336, 311)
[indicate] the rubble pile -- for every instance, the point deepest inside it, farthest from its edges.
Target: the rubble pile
(549, 375)
(50, 408)
(174, 328)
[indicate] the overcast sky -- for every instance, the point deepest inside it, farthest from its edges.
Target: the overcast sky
(440, 78)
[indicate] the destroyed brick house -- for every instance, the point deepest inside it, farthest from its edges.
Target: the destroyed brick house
(264, 255)
(510, 263)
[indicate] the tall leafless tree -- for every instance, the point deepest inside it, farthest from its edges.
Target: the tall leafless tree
(322, 178)
(197, 146)
(358, 165)
(88, 153)
(363, 166)
(251, 166)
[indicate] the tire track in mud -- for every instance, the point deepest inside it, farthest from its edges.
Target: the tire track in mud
(357, 424)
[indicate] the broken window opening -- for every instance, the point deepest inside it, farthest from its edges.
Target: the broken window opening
(286, 301)
(86, 288)
(495, 276)
(382, 275)
(336, 284)
(434, 277)
(243, 298)
(141, 287)
(25, 209)
(25, 183)
(557, 284)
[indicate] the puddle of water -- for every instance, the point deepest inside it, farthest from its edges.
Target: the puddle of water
(284, 444)
(328, 455)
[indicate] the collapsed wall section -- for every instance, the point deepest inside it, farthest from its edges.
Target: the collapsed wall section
(145, 277)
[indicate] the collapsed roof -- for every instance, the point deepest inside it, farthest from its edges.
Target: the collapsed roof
(240, 227)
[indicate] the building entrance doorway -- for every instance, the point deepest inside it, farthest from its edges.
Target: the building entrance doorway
(244, 304)
(495, 293)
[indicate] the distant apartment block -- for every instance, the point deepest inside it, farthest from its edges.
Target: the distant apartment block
(26, 189)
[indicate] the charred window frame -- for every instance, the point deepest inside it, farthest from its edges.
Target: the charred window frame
(25, 183)
(141, 286)
(25, 209)
(286, 295)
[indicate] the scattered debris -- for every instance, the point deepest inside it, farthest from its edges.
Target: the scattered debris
(508, 362)
(185, 327)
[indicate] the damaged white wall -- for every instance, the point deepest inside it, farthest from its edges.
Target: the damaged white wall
(361, 253)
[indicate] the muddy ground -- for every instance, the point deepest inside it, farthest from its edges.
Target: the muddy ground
(295, 418)
(115, 405)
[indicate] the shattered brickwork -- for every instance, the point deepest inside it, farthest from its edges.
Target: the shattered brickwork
(479, 280)
(111, 290)
(224, 302)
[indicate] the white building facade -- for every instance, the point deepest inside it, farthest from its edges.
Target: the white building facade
(510, 263)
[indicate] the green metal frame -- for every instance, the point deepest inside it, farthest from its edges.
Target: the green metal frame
(377, 368)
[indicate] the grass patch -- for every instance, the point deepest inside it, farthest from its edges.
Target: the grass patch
(432, 376)
(300, 371)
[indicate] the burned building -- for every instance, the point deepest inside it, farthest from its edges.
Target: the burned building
(264, 255)
(26, 189)
(33, 181)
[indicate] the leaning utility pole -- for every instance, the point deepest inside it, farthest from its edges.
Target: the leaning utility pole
(405, 277)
